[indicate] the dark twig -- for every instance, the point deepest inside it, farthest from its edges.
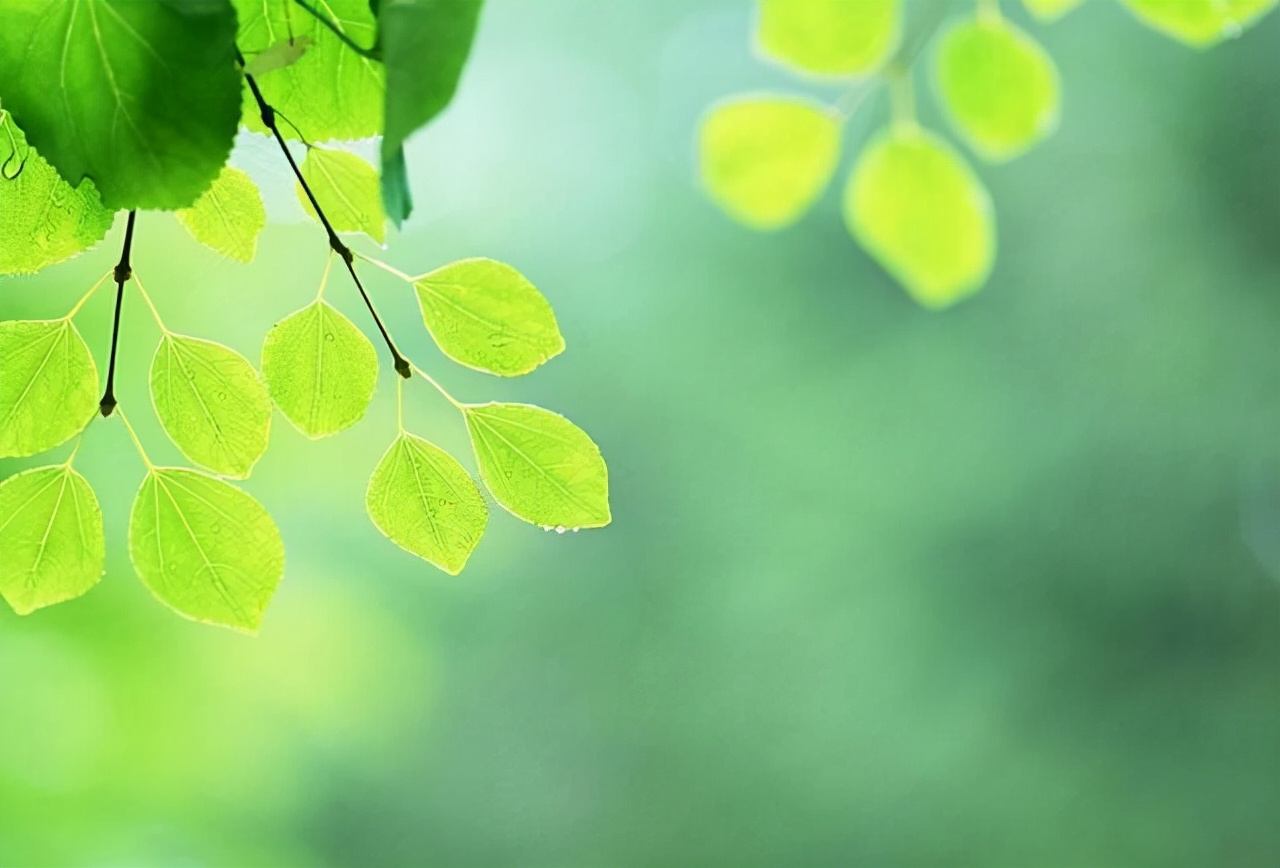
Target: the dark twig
(337, 31)
(122, 273)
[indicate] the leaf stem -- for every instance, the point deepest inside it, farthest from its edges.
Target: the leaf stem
(902, 101)
(324, 278)
(154, 313)
(400, 405)
(133, 435)
(123, 271)
(338, 32)
(75, 309)
(387, 268)
(439, 388)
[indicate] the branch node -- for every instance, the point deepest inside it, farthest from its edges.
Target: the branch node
(402, 367)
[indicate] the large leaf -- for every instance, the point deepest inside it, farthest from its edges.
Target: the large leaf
(48, 385)
(347, 189)
(44, 219)
(764, 160)
(486, 315)
(424, 45)
(320, 369)
(228, 216)
(829, 37)
(426, 503)
(211, 403)
(51, 546)
(142, 97)
(205, 548)
(1200, 23)
(539, 465)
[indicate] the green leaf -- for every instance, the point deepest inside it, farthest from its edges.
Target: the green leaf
(920, 211)
(320, 369)
(829, 37)
(425, 44)
(485, 315)
(999, 86)
(539, 465)
(51, 547)
(205, 548)
(1200, 23)
(228, 216)
(283, 54)
(424, 501)
(330, 92)
(347, 189)
(48, 385)
(1050, 10)
(45, 219)
(143, 98)
(766, 160)
(211, 403)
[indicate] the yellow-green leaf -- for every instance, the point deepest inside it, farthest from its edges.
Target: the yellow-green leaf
(205, 548)
(540, 466)
(766, 160)
(48, 385)
(347, 189)
(284, 53)
(829, 37)
(228, 216)
(424, 501)
(921, 212)
(999, 86)
(211, 403)
(485, 315)
(1050, 10)
(51, 546)
(1200, 23)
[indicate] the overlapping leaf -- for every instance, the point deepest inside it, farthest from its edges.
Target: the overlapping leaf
(347, 189)
(228, 216)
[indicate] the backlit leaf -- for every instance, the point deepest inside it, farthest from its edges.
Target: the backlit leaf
(284, 53)
(51, 546)
(829, 37)
(347, 189)
(1200, 23)
(424, 501)
(228, 216)
(1050, 10)
(48, 385)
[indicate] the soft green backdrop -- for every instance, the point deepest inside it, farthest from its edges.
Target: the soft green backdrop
(999, 586)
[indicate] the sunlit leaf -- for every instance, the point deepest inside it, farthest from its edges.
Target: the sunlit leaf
(211, 403)
(921, 212)
(829, 37)
(320, 369)
(347, 189)
(228, 216)
(765, 160)
(1200, 23)
(424, 501)
(205, 548)
(51, 546)
(540, 466)
(48, 385)
(1050, 10)
(284, 53)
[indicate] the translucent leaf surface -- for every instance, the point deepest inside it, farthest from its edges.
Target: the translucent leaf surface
(205, 548)
(211, 403)
(486, 315)
(228, 216)
(51, 546)
(284, 53)
(1200, 23)
(1050, 10)
(347, 189)
(48, 385)
(765, 160)
(920, 211)
(829, 37)
(424, 501)
(320, 369)
(540, 466)
(999, 86)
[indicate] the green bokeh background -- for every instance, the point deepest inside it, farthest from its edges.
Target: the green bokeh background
(999, 586)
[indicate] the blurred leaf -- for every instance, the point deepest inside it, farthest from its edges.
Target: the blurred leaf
(920, 211)
(211, 403)
(424, 501)
(284, 53)
(1200, 23)
(48, 385)
(999, 86)
(205, 548)
(1050, 10)
(485, 315)
(539, 465)
(766, 160)
(51, 546)
(228, 216)
(320, 369)
(347, 189)
(829, 37)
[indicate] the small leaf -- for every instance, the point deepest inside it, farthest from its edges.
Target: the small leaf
(48, 385)
(829, 37)
(228, 216)
(211, 403)
(539, 465)
(424, 501)
(347, 189)
(320, 369)
(1050, 10)
(485, 315)
(999, 86)
(284, 53)
(1200, 23)
(765, 161)
(920, 211)
(51, 547)
(205, 548)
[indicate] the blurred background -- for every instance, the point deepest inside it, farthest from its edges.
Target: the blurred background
(998, 586)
